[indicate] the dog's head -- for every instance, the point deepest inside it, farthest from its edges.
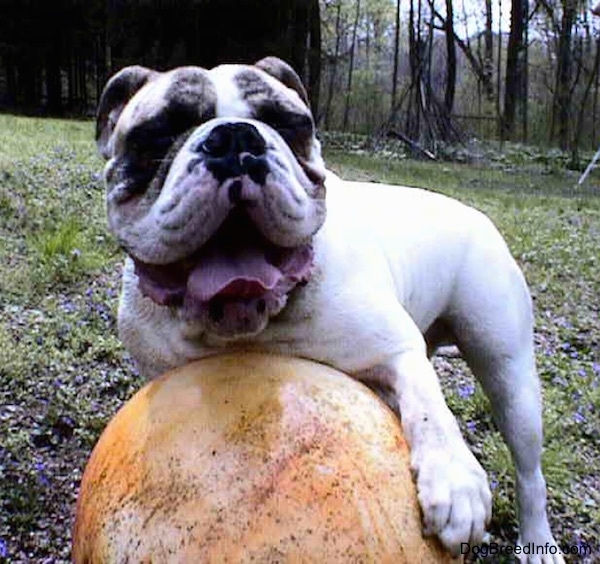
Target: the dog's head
(215, 187)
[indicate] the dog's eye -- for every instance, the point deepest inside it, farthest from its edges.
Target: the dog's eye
(291, 124)
(296, 128)
(297, 131)
(152, 147)
(146, 155)
(138, 173)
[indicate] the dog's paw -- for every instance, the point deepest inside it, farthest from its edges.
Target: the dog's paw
(542, 548)
(454, 495)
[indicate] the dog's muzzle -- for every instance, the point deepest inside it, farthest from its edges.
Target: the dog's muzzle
(234, 283)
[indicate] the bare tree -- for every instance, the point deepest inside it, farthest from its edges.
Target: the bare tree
(465, 46)
(450, 59)
(334, 63)
(513, 89)
(351, 66)
(396, 55)
(562, 93)
(596, 87)
(581, 114)
(314, 56)
(488, 53)
(413, 115)
(499, 71)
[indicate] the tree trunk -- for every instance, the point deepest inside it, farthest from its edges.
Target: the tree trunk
(396, 56)
(514, 66)
(416, 100)
(595, 104)
(524, 73)
(351, 67)
(314, 57)
(488, 53)
(582, 105)
(450, 60)
(499, 74)
(333, 71)
(562, 98)
(300, 32)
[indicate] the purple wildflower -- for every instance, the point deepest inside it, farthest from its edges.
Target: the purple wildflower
(559, 381)
(68, 306)
(41, 471)
(466, 390)
(3, 549)
(562, 322)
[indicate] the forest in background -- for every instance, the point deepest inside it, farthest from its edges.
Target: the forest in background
(426, 71)
(441, 70)
(56, 55)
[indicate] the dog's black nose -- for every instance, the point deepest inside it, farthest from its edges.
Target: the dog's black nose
(234, 149)
(234, 138)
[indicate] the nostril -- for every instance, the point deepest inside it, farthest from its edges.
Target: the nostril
(250, 140)
(256, 168)
(219, 142)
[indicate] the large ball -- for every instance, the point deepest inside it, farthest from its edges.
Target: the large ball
(251, 458)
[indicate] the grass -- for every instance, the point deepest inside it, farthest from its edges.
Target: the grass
(63, 372)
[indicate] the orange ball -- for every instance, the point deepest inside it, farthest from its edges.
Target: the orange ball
(251, 458)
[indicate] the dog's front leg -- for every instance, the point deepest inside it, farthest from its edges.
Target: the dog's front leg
(452, 487)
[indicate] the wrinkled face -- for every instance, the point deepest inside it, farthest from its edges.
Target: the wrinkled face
(214, 188)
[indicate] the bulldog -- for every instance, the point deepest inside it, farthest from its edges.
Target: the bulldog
(237, 237)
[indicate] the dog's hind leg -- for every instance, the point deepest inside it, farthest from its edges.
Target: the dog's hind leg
(492, 319)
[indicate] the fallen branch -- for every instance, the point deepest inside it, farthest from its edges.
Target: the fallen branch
(589, 166)
(412, 144)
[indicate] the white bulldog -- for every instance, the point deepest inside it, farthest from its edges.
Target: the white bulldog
(216, 191)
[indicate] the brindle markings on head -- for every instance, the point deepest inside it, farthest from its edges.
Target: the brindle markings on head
(285, 74)
(155, 137)
(115, 96)
(290, 118)
(192, 89)
(188, 100)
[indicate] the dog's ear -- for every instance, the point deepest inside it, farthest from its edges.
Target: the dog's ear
(117, 92)
(285, 74)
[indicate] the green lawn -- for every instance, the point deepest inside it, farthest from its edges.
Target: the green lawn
(63, 372)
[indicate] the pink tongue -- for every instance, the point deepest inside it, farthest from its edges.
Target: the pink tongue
(245, 274)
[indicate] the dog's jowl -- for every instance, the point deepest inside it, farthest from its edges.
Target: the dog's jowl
(239, 238)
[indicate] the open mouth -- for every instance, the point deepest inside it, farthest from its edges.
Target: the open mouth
(233, 281)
